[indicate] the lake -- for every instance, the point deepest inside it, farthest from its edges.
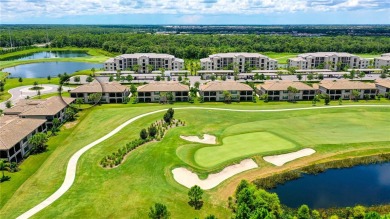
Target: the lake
(44, 69)
(45, 55)
(366, 185)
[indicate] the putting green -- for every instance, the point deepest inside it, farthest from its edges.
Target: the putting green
(242, 145)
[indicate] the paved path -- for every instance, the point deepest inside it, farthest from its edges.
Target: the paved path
(72, 164)
(22, 92)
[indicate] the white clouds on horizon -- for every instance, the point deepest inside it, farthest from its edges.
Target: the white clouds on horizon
(190, 10)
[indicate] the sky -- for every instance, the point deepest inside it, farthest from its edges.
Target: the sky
(162, 12)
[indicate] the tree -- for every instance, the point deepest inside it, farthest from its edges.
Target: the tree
(152, 131)
(310, 76)
(315, 214)
(340, 101)
(352, 74)
(39, 94)
(3, 167)
(150, 68)
(159, 211)
(196, 85)
(195, 195)
(8, 104)
(167, 118)
(20, 80)
(93, 70)
(372, 215)
(89, 79)
(76, 79)
(362, 75)
(299, 76)
(355, 95)
(129, 78)
(171, 112)
(79, 101)
(48, 77)
(304, 212)
(327, 99)
(55, 124)
(210, 217)
(383, 75)
(94, 98)
(35, 84)
(111, 78)
(359, 212)
(320, 76)
(227, 96)
(143, 134)
(292, 90)
(133, 89)
(70, 114)
(212, 77)
(38, 142)
(180, 78)
(169, 96)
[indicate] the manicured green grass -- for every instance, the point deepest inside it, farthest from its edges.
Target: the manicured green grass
(281, 57)
(242, 145)
(145, 176)
(3, 75)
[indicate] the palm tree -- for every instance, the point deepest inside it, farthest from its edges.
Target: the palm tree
(227, 96)
(135, 68)
(291, 90)
(38, 141)
(150, 68)
(355, 94)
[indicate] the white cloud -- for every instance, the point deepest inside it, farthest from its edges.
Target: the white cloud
(192, 10)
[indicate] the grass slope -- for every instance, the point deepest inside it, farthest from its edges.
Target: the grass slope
(145, 176)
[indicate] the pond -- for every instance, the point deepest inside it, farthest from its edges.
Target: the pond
(366, 185)
(44, 69)
(45, 55)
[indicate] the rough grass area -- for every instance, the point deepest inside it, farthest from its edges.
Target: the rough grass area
(242, 145)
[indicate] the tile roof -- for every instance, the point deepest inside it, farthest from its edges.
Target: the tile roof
(345, 84)
(102, 87)
(383, 83)
(224, 85)
(44, 107)
(283, 85)
(163, 86)
(235, 54)
(13, 129)
(324, 54)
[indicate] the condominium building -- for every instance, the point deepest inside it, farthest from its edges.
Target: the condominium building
(383, 87)
(384, 60)
(48, 109)
(327, 60)
(25, 119)
(244, 62)
(144, 62)
(344, 88)
(15, 133)
(159, 91)
(214, 91)
(111, 92)
(279, 90)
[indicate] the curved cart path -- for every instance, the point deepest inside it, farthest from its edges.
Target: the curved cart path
(72, 164)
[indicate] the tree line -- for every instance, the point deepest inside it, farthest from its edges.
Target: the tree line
(194, 46)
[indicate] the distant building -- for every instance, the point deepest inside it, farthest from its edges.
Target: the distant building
(384, 60)
(141, 62)
(112, 92)
(327, 60)
(214, 91)
(344, 88)
(278, 90)
(158, 91)
(239, 60)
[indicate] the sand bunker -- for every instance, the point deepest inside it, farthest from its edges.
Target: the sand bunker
(189, 179)
(281, 159)
(207, 139)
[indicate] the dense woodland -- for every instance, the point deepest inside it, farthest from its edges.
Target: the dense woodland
(192, 46)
